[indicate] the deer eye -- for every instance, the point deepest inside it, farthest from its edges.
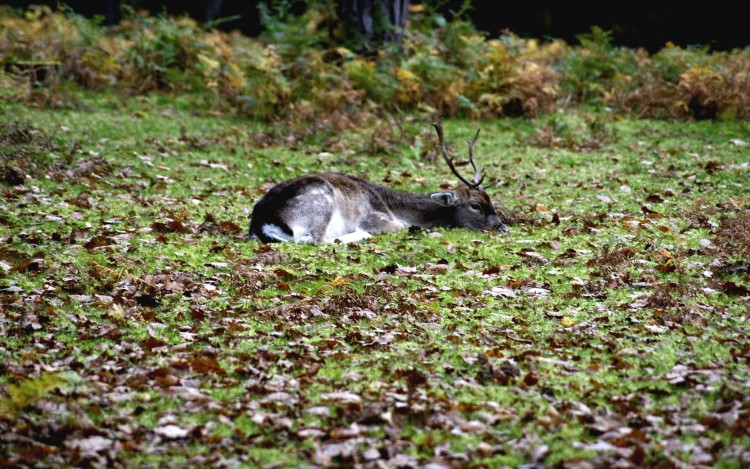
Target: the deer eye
(476, 207)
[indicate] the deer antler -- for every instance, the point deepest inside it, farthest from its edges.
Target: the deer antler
(478, 178)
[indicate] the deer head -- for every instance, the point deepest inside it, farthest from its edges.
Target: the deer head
(473, 208)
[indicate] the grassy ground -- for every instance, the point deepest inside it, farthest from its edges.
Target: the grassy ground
(140, 328)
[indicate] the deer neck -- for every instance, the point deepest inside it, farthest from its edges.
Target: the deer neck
(417, 209)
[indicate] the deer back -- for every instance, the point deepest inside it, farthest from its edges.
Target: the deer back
(315, 208)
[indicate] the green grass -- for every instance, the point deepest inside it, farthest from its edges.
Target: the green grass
(595, 331)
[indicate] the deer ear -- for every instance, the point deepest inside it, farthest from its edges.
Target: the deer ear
(445, 198)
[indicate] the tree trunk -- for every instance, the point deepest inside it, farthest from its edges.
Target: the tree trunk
(364, 15)
(213, 7)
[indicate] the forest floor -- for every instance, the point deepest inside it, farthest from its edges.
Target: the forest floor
(140, 327)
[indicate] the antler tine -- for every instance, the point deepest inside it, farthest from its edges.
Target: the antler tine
(491, 184)
(478, 176)
(439, 129)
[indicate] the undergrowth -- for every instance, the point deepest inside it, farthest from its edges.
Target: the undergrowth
(303, 70)
(140, 327)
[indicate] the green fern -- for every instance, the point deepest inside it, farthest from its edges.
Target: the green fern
(27, 392)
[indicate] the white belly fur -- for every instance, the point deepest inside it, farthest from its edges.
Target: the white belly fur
(338, 226)
(274, 232)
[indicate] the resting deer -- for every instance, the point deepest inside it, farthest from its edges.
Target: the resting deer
(327, 207)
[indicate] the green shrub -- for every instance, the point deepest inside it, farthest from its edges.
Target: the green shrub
(305, 67)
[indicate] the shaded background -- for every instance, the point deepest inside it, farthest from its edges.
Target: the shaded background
(719, 25)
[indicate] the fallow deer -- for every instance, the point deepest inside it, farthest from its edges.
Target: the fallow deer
(326, 207)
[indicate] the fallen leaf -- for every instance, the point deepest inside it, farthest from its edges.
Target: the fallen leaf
(437, 268)
(342, 397)
(371, 454)
(171, 432)
(500, 292)
(340, 282)
(346, 433)
(655, 328)
(206, 365)
(537, 292)
(566, 321)
(91, 445)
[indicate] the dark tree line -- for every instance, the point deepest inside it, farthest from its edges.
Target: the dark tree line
(720, 25)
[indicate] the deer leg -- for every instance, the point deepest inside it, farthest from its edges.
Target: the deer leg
(313, 231)
(308, 216)
(376, 222)
(379, 222)
(274, 233)
(358, 235)
(302, 235)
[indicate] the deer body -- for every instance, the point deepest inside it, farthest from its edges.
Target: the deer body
(329, 206)
(332, 206)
